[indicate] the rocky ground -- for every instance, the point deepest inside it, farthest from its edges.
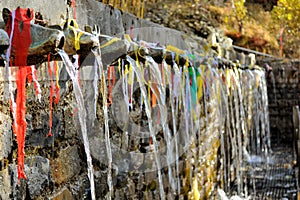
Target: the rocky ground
(185, 17)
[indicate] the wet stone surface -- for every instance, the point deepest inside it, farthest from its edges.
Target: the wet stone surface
(5, 135)
(37, 170)
(5, 184)
(62, 195)
(283, 94)
(274, 177)
(66, 165)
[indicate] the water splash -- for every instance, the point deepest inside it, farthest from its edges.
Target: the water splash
(238, 131)
(267, 136)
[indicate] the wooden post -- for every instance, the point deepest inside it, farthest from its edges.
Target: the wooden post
(281, 42)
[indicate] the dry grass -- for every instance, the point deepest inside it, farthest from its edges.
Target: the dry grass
(257, 25)
(136, 7)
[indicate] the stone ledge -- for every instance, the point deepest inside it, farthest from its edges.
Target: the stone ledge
(63, 194)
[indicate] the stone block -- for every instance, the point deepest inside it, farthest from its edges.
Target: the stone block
(149, 163)
(140, 182)
(66, 165)
(5, 135)
(63, 194)
(136, 160)
(130, 188)
(5, 184)
(119, 194)
(81, 188)
(69, 124)
(38, 129)
(18, 188)
(150, 177)
(98, 150)
(37, 170)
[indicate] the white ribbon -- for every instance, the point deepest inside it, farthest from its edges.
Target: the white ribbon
(7, 70)
(38, 87)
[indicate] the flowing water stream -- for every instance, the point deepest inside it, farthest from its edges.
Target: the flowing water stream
(82, 116)
(197, 110)
(150, 123)
(97, 54)
(158, 89)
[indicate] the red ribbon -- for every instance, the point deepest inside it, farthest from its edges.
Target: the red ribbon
(20, 130)
(21, 37)
(19, 47)
(51, 96)
(74, 8)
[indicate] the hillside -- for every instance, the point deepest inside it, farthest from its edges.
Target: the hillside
(258, 31)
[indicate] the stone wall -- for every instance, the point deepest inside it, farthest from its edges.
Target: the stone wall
(111, 21)
(283, 93)
(47, 163)
(56, 166)
(207, 140)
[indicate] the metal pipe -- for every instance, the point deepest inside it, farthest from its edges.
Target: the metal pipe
(252, 51)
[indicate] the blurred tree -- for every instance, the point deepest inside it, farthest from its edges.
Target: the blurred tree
(287, 13)
(136, 7)
(240, 12)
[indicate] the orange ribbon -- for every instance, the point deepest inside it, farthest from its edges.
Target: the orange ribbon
(51, 97)
(111, 82)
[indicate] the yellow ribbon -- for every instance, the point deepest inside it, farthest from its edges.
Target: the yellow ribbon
(228, 80)
(219, 91)
(195, 189)
(200, 88)
(130, 80)
(57, 76)
(113, 40)
(176, 50)
(77, 39)
(119, 65)
(127, 37)
(257, 80)
(187, 61)
(136, 52)
(126, 70)
(77, 34)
